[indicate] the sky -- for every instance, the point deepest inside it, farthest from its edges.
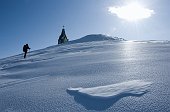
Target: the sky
(39, 22)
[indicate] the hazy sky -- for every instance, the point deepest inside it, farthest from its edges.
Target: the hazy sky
(39, 22)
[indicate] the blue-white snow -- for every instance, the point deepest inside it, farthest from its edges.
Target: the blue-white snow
(100, 98)
(105, 75)
(135, 87)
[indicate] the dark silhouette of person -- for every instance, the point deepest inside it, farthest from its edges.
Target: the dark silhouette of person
(25, 49)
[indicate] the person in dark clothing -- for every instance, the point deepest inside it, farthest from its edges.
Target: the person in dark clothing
(25, 49)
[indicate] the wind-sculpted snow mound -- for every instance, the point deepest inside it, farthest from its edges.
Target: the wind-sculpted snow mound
(102, 97)
(135, 87)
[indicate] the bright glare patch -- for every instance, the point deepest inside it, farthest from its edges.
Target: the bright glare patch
(131, 12)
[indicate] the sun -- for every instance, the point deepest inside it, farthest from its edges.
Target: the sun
(131, 12)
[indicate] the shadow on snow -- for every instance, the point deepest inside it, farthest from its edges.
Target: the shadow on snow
(99, 103)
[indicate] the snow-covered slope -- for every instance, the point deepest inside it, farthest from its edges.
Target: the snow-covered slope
(122, 70)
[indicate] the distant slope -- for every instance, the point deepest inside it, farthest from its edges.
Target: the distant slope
(87, 38)
(96, 37)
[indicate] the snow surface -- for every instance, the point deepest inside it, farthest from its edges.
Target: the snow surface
(108, 94)
(134, 87)
(40, 82)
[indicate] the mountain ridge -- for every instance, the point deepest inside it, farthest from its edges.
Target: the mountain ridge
(96, 37)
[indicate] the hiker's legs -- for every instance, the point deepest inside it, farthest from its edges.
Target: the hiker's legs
(25, 54)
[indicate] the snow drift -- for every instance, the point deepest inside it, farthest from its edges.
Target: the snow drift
(108, 94)
(135, 87)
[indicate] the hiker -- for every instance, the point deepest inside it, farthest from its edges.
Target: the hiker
(25, 49)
